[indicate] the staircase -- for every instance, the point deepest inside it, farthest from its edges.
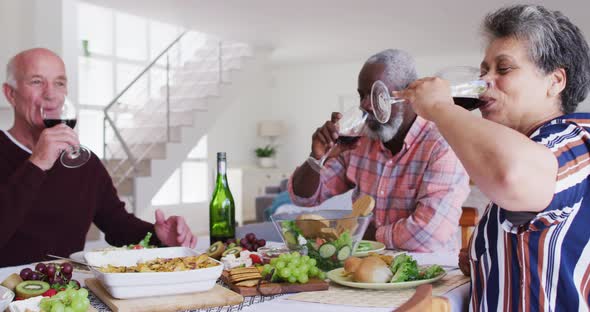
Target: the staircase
(152, 125)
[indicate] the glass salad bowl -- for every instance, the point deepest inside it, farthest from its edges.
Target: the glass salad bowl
(328, 236)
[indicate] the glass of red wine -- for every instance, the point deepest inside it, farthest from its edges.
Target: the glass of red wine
(466, 87)
(64, 111)
(351, 126)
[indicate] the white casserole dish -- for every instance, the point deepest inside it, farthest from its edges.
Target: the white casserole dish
(135, 285)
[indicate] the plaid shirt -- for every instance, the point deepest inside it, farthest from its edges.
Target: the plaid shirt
(418, 192)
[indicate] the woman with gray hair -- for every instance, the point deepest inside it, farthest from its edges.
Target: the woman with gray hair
(530, 155)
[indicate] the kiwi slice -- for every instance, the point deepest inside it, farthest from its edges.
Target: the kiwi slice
(28, 289)
(12, 281)
(232, 251)
(216, 250)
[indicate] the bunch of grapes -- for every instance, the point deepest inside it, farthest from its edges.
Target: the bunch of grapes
(70, 300)
(251, 243)
(54, 274)
(292, 268)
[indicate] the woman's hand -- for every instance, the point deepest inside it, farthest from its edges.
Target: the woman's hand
(427, 96)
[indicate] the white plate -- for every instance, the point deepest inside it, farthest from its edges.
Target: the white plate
(135, 285)
(78, 256)
(336, 277)
(375, 247)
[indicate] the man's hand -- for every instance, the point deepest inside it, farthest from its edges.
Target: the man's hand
(174, 231)
(325, 137)
(51, 143)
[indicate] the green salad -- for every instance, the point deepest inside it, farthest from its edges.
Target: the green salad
(329, 253)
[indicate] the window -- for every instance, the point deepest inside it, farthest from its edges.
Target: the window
(119, 47)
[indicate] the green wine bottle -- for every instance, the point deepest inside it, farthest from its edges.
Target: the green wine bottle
(222, 210)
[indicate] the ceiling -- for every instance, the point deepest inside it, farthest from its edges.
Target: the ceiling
(339, 30)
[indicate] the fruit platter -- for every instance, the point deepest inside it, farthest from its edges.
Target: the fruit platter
(46, 287)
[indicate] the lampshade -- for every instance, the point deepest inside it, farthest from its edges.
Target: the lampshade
(270, 128)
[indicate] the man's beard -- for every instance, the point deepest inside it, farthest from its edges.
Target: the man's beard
(387, 131)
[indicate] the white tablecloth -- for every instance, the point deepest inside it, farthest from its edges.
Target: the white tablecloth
(458, 297)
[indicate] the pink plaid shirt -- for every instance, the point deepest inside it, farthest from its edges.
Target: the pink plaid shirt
(418, 192)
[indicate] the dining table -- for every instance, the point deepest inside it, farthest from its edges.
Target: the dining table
(458, 296)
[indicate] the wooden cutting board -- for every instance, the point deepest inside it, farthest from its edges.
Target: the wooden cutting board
(218, 296)
(268, 289)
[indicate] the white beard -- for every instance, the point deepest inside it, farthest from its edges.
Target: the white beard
(387, 131)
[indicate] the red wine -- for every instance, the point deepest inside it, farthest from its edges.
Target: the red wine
(344, 139)
(468, 103)
(54, 122)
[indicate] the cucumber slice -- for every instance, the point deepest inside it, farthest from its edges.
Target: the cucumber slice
(344, 253)
(327, 250)
(291, 239)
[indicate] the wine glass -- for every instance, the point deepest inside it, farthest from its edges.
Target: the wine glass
(65, 112)
(466, 87)
(350, 129)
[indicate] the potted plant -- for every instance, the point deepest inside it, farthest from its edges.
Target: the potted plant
(265, 156)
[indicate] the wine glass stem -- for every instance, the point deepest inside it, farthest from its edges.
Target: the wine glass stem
(396, 100)
(325, 157)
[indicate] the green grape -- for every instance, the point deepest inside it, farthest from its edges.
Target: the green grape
(312, 262)
(304, 268)
(70, 294)
(302, 278)
(292, 279)
(322, 275)
(291, 265)
(78, 305)
(69, 309)
(305, 258)
(285, 273)
(283, 257)
(280, 265)
(45, 304)
(274, 261)
(295, 271)
(86, 302)
(296, 261)
(58, 306)
(314, 271)
(295, 254)
(60, 296)
(83, 293)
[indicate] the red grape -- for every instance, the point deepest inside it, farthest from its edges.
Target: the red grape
(40, 267)
(77, 284)
(248, 246)
(25, 274)
(34, 276)
(57, 280)
(67, 276)
(243, 242)
(251, 237)
(67, 268)
(261, 242)
(50, 270)
(254, 247)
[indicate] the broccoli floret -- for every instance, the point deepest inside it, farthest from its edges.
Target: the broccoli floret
(407, 271)
(398, 260)
(432, 272)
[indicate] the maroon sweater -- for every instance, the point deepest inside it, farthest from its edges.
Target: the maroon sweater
(50, 212)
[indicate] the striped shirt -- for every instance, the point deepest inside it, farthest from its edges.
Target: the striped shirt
(418, 192)
(543, 264)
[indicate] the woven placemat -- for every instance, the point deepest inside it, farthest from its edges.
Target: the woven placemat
(342, 295)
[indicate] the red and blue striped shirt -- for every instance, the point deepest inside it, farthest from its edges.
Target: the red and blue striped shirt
(418, 192)
(543, 264)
